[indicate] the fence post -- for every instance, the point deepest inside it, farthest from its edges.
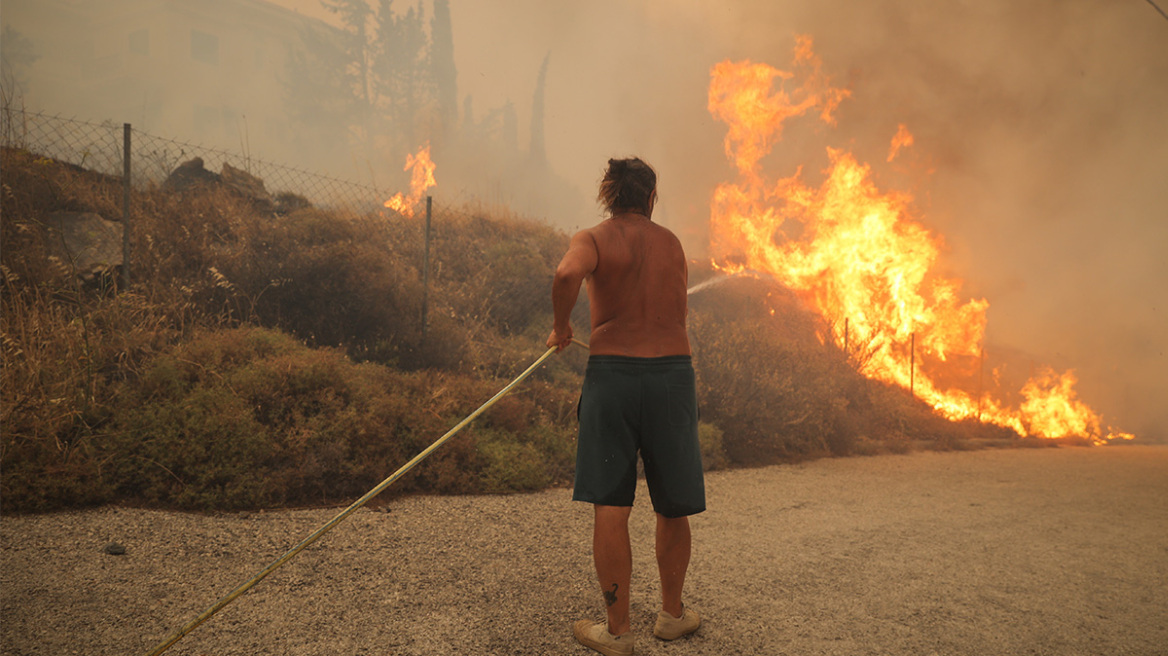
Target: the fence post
(426, 268)
(126, 207)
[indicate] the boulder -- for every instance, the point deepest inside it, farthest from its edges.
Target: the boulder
(246, 185)
(92, 244)
(189, 174)
(193, 172)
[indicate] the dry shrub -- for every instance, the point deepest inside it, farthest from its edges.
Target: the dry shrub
(167, 394)
(66, 345)
(497, 271)
(250, 417)
(228, 421)
(775, 390)
(330, 280)
(63, 363)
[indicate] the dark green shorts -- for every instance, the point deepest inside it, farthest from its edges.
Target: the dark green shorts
(640, 404)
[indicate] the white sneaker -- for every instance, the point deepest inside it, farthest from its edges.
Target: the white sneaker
(671, 628)
(596, 636)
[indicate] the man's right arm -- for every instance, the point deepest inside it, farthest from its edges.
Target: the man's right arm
(577, 264)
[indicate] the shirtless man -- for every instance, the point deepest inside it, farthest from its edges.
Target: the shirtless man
(638, 396)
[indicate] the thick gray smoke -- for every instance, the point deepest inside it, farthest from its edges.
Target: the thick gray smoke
(1040, 155)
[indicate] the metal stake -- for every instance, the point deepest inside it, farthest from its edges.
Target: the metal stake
(126, 206)
(980, 380)
(426, 268)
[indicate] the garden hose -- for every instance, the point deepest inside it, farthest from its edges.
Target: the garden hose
(190, 626)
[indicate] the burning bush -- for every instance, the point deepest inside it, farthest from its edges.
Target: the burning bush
(779, 390)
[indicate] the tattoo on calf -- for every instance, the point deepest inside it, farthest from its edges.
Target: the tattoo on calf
(610, 595)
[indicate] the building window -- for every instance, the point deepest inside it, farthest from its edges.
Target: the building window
(140, 43)
(204, 47)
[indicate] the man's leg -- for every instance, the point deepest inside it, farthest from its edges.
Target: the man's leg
(673, 548)
(613, 556)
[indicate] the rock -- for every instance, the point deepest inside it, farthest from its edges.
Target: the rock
(246, 185)
(92, 244)
(114, 549)
(241, 183)
(189, 174)
(288, 202)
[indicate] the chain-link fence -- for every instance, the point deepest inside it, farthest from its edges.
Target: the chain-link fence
(99, 147)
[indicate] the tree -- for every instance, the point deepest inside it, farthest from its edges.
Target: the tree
(355, 16)
(443, 71)
(401, 82)
(315, 95)
(538, 149)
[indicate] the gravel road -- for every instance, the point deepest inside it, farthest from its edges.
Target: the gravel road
(1031, 551)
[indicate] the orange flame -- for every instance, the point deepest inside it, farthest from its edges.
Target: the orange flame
(421, 179)
(854, 251)
(902, 139)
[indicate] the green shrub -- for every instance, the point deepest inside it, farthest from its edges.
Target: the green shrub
(710, 440)
(512, 466)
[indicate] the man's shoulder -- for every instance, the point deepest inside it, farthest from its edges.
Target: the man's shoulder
(665, 235)
(665, 231)
(586, 236)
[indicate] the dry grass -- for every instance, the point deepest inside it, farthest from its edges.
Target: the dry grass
(263, 360)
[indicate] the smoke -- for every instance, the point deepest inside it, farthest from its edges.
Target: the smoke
(1040, 150)
(1040, 154)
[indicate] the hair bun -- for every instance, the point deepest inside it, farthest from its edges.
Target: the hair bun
(628, 186)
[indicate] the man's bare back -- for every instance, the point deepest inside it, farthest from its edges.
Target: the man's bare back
(637, 276)
(637, 291)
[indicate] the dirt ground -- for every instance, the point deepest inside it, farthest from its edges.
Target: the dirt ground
(1033, 551)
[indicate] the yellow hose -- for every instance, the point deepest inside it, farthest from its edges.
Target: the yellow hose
(190, 626)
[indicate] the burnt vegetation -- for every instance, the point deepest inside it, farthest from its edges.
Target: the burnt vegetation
(267, 359)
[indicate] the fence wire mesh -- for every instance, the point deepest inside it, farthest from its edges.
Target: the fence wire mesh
(99, 147)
